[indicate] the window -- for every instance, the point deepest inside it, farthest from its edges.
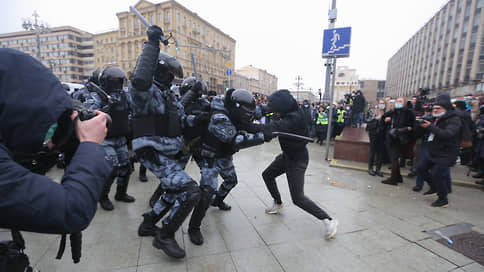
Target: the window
(160, 17)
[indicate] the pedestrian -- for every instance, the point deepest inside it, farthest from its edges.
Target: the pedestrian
(443, 147)
(376, 131)
(399, 124)
(358, 108)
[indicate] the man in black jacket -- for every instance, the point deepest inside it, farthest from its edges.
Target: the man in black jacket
(294, 158)
(358, 108)
(33, 101)
(443, 147)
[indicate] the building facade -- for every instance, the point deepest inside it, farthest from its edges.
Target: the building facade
(302, 95)
(260, 81)
(346, 81)
(372, 90)
(446, 54)
(212, 48)
(66, 50)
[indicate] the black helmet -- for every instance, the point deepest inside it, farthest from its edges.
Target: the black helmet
(112, 79)
(241, 105)
(94, 78)
(189, 82)
(167, 69)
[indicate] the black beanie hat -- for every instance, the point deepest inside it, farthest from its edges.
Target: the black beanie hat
(443, 100)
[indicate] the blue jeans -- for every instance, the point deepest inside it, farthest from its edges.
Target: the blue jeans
(357, 119)
(438, 178)
(422, 160)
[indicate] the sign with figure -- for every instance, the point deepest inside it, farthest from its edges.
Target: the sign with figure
(336, 42)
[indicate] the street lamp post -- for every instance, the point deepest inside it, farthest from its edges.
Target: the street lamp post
(36, 26)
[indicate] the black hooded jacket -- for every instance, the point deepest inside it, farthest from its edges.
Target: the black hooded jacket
(31, 100)
(291, 121)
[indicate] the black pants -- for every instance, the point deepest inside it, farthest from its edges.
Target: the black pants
(376, 153)
(295, 178)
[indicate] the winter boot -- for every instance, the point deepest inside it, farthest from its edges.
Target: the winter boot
(393, 179)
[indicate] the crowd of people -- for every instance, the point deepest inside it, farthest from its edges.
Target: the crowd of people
(429, 136)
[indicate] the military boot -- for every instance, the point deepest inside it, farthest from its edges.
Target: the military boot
(121, 191)
(104, 201)
(198, 214)
(219, 202)
(148, 226)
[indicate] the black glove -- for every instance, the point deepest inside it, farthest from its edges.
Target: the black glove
(154, 33)
(202, 118)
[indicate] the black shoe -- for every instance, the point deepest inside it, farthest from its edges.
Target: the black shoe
(440, 203)
(195, 236)
(219, 202)
(121, 194)
(143, 178)
(371, 172)
(430, 192)
(417, 188)
(411, 174)
(389, 181)
(106, 204)
(148, 226)
(378, 173)
(480, 182)
(168, 245)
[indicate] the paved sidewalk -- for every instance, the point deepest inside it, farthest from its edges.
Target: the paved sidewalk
(381, 227)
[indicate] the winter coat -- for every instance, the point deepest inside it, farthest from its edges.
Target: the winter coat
(444, 139)
(31, 101)
(359, 103)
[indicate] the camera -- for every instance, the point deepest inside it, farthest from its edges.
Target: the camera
(424, 118)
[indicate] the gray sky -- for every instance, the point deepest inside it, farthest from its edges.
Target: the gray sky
(282, 37)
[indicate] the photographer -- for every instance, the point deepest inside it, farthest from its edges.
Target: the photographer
(33, 100)
(443, 147)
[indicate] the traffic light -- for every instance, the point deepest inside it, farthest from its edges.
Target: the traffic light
(176, 46)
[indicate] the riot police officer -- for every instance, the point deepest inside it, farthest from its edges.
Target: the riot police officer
(220, 140)
(83, 93)
(111, 81)
(191, 135)
(158, 119)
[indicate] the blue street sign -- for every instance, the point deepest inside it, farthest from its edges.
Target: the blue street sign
(336, 42)
(228, 72)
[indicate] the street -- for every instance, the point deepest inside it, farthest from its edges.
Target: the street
(381, 227)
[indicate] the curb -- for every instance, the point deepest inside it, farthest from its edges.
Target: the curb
(463, 183)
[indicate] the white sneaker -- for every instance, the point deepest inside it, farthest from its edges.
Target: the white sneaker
(274, 209)
(331, 228)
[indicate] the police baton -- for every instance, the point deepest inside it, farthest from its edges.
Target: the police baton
(292, 136)
(164, 40)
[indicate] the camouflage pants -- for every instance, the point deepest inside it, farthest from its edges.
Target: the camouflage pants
(173, 180)
(221, 166)
(117, 152)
